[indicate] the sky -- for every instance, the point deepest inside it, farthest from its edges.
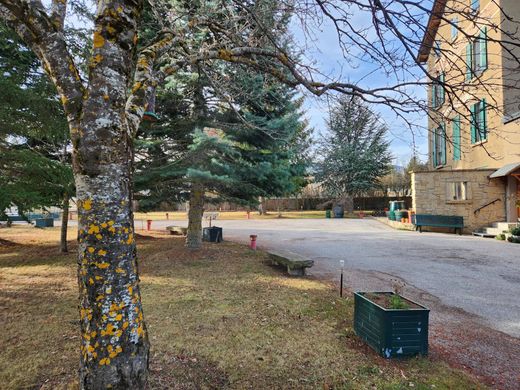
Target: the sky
(328, 57)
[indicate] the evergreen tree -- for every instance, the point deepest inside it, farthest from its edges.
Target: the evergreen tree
(35, 167)
(354, 153)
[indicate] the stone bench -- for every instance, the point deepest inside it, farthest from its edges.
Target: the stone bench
(294, 263)
(177, 230)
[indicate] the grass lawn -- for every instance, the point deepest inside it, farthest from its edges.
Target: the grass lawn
(217, 318)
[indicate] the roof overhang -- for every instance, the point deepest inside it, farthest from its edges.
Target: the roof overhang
(431, 30)
(505, 170)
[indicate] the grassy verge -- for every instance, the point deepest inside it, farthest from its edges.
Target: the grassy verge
(217, 318)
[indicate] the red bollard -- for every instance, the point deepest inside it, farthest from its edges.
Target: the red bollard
(167, 216)
(248, 215)
(252, 245)
(148, 224)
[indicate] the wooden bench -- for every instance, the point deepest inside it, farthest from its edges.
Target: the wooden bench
(448, 221)
(294, 263)
(177, 230)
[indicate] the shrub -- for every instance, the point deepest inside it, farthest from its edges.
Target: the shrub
(515, 231)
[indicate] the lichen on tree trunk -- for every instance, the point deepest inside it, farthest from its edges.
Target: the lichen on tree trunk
(194, 235)
(64, 224)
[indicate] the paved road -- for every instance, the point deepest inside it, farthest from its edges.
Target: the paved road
(480, 276)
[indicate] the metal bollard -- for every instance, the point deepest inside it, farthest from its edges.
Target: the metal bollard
(148, 224)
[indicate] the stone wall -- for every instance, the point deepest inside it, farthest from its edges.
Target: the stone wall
(430, 195)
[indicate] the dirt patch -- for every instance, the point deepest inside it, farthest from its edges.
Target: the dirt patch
(389, 300)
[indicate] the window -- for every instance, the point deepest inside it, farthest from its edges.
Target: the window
(476, 55)
(457, 191)
(439, 146)
(438, 91)
(478, 122)
(454, 28)
(455, 127)
(475, 5)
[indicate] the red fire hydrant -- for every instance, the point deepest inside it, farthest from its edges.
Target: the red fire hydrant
(148, 224)
(167, 216)
(252, 245)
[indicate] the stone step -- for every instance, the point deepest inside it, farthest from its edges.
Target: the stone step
(504, 225)
(492, 230)
(484, 235)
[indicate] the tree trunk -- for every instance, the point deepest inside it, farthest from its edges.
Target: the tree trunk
(194, 235)
(64, 224)
(114, 340)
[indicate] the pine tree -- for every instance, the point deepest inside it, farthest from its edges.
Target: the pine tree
(35, 167)
(354, 153)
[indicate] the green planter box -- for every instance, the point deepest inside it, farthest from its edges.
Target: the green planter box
(391, 332)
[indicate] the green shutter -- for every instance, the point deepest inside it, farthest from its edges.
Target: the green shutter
(441, 86)
(469, 65)
(473, 118)
(483, 49)
(434, 148)
(456, 138)
(483, 120)
(434, 94)
(443, 144)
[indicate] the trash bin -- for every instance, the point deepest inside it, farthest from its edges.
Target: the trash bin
(327, 213)
(212, 234)
(391, 215)
(44, 222)
(338, 212)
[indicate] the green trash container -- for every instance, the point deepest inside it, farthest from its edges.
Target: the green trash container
(391, 215)
(44, 222)
(398, 215)
(327, 213)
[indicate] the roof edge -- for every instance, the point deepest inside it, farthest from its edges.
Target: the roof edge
(431, 30)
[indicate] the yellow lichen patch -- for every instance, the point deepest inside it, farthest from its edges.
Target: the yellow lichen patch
(225, 54)
(64, 99)
(93, 229)
(102, 252)
(120, 270)
(91, 281)
(104, 362)
(102, 265)
(106, 97)
(109, 331)
(93, 333)
(119, 317)
(99, 236)
(130, 238)
(119, 333)
(90, 249)
(110, 223)
(99, 41)
(109, 290)
(136, 87)
(100, 297)
(125, 325)
(104, 225)
(111, 30)
(87, 204)
(98, 277)
(130, 290)
(135, 39)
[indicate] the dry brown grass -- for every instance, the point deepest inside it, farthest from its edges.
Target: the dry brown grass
(217, 318)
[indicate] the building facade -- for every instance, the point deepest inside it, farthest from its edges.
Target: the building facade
(471, 49)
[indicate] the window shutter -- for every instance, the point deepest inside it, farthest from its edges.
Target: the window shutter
(469, 64)
(456, 138)
(434, 94)
(434, 148)
(483, 49)
(443, 144)
(483, 120)
(473, 119)
(475, 5)
(441, 86)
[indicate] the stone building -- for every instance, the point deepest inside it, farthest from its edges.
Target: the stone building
(474, 114)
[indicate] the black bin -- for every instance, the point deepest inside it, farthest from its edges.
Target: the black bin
(212, 234)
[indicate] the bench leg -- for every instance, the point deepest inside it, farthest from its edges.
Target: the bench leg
(296, 271)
